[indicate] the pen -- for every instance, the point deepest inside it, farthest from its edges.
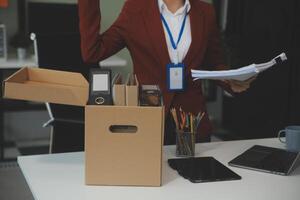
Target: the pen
(187, 125)
(183, 119)
(192, 123)
(173, 111)
(199, 119)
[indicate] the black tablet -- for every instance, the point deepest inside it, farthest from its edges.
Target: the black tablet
(202, 169)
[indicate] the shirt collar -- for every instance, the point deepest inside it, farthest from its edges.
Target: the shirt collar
(163, 8)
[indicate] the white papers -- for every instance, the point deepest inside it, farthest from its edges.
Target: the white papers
(240, 74)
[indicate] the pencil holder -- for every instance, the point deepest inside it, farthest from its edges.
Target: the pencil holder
(185, 143)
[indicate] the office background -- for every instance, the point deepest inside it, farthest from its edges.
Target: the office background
(35, 10)
(253, 31)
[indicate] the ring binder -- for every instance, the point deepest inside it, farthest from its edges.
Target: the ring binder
(100, 87)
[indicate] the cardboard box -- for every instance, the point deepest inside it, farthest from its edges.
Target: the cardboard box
(118, 91)
(123, 145)
(132, 90)
(47, 86)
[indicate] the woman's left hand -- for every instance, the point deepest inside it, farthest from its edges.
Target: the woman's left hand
(240, 86)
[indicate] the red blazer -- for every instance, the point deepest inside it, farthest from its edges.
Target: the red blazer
(139, 28)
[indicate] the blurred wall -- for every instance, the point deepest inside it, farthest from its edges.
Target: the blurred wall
(8, 16)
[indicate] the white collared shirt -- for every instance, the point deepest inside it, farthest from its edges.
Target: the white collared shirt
(175, 21)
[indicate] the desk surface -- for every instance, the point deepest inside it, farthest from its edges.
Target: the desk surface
(61, 176)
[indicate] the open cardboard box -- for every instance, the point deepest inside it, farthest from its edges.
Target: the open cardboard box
(123, 144)
(47, 86)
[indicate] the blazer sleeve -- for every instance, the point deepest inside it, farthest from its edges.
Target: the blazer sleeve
(214, 57)
(95, 46)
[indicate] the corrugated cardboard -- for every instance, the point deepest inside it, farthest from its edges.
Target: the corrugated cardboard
(119, 156)
(118, 91)
(47, 86)
(132, 90)
(123, 157)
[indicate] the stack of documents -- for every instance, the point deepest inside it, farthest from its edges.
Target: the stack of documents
(240, 74)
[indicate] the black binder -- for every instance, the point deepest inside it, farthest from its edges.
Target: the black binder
(100, 87)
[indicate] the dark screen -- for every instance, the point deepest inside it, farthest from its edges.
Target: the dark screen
(203, 169)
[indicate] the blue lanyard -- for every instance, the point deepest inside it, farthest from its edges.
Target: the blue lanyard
(169, 31)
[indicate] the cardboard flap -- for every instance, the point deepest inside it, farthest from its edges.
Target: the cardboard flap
(118, 91)
(132, 93)
(47, 86)
(117, 80)
(19, 76)
(57, 77)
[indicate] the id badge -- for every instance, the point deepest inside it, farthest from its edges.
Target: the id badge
(175, 77)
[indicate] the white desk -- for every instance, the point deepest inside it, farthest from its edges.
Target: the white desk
(61, 176)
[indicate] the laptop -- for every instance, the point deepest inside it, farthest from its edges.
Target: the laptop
(267, 159)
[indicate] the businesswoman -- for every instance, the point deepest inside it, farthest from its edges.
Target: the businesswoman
(161, 35)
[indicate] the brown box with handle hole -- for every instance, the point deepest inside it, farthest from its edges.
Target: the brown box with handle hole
(123, 144)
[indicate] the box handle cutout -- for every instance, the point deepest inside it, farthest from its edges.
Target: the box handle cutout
(123, 129)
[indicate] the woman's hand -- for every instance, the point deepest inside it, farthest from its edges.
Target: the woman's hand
(240, 86)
